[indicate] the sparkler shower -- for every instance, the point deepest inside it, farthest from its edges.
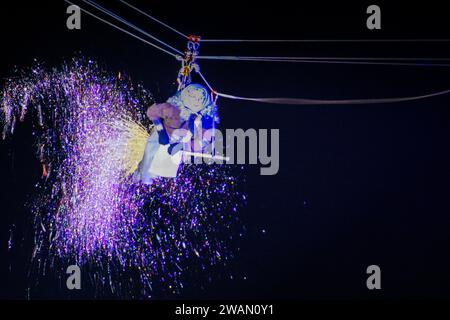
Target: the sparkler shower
(88, 212)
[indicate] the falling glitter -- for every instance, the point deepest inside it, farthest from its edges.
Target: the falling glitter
(128, 237)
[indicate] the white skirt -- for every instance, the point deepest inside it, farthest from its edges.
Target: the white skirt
(157, 162)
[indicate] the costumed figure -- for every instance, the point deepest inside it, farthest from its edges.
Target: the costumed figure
(178, 124)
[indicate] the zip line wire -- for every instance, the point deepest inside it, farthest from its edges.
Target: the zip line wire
(285, 101)
(321, 40)
(118, 18)
(154, 19)
(279, 40)
(123, 30)
(336, 60)
(326, 60)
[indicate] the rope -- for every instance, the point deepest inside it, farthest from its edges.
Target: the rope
(115, 16)
(302, 101)
(204, 80)
(154, 19)
(125, 31)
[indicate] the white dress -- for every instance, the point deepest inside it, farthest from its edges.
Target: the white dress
(157, 162)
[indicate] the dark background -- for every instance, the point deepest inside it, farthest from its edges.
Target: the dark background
(357, 185)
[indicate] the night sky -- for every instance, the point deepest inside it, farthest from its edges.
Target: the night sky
(357, 185)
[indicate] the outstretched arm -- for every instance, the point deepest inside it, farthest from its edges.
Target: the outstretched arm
(155, 111)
